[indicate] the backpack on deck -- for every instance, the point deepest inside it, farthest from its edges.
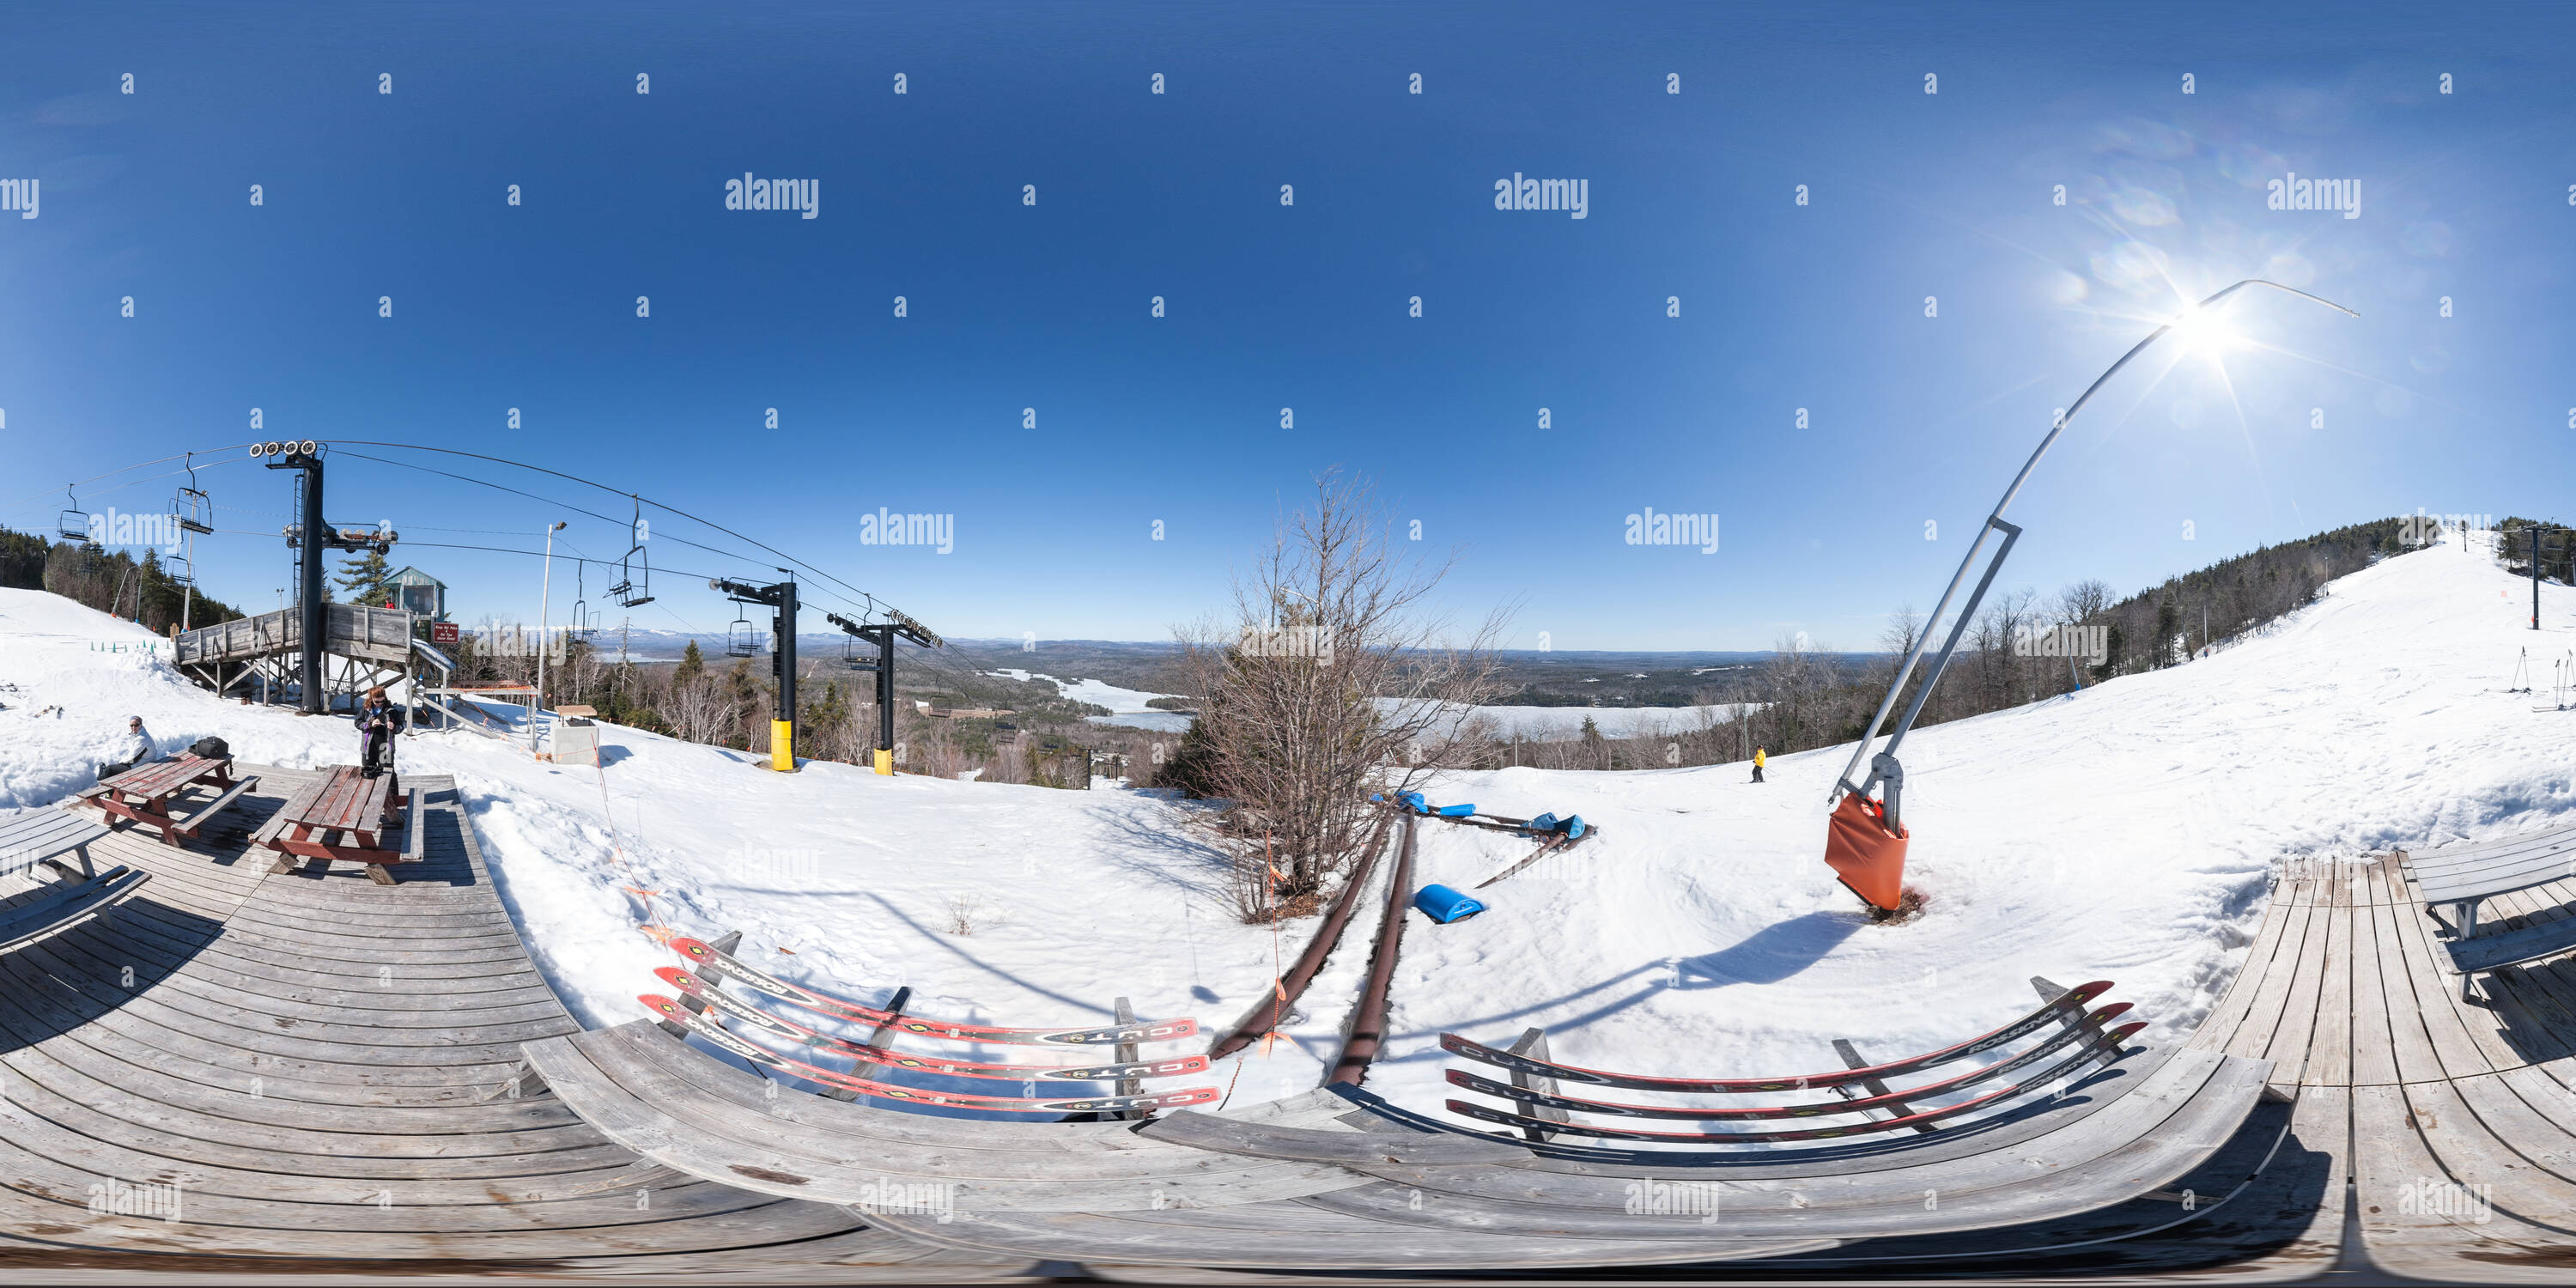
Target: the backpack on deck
(210, 748)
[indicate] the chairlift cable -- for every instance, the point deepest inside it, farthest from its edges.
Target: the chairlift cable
(499, 460)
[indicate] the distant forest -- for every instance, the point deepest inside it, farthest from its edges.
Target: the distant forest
(1810, 699)
(113, 582)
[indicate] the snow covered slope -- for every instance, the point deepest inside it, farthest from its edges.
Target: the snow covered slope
(1071, 898)
(2122, 833)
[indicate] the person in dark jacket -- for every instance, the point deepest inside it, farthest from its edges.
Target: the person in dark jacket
(378, 721)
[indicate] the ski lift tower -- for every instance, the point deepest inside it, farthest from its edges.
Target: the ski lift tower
(883, 635)
(310, 538)
(781, 599)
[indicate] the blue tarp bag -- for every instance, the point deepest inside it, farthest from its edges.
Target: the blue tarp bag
(1455, 811)
(1444, 905)
(1571, 825)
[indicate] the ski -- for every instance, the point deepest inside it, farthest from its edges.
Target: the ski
(1545, 848)
(2091, 1052)
(707, 1027)
(1889, 1100)
(716, 963)
(2067, 1006)
(794, 1032)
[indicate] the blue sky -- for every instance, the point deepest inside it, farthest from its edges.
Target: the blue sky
(2323, 420)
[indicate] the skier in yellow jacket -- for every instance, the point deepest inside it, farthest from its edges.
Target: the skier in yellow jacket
(1759, 760)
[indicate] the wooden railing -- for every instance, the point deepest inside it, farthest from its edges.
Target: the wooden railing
(350, 630)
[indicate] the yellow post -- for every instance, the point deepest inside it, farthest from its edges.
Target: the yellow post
(885, 762)
(782, 746)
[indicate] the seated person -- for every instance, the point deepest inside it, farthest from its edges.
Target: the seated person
(135, 748)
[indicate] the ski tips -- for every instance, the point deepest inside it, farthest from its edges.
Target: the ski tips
(662, 1006)
(696, 950)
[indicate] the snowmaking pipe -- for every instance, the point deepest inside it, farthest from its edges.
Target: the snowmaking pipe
(1992, 523)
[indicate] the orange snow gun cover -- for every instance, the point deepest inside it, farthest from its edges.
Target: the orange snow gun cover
(1869, 859)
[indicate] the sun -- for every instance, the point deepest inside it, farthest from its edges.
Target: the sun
(2204, 332)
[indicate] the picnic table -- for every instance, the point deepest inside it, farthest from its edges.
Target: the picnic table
(32, 836)
(144, 793)
(342, 801)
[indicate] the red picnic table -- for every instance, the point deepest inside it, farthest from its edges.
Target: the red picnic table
(359, 809)
(144, 793)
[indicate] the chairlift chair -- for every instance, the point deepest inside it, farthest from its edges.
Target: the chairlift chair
(585, 619)
(73, 523)
(742, 639)
(191, 507)
(635, 570)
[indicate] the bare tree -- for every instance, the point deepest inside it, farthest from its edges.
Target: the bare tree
(1334, 679)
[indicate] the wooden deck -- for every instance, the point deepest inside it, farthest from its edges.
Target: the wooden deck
(2450, 1123)
(305, 1066)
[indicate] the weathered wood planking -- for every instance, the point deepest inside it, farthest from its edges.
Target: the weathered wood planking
(309, 1058)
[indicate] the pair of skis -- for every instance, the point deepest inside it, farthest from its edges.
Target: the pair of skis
(723, 965)
(2103, 1046)
(1895, 1099)
(716, 963)
(2066, 1007)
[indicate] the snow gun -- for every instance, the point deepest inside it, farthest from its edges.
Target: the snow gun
(1864, 838)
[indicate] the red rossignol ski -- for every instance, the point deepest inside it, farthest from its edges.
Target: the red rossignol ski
(791, 1031)
(712, 962)
(2065, 1006)
(705, 1026)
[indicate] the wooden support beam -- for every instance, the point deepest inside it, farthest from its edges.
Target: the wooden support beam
(724, 943)
(1874, 1086)
(1533, 1044)
(866, 1071)
(1127, 1054)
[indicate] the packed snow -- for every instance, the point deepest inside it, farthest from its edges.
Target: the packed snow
(2123, 833)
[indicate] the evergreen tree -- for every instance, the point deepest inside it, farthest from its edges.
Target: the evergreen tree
(692, 665)
(366, 579)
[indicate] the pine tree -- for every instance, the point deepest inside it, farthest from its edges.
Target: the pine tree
(366, 579)
(692, 664)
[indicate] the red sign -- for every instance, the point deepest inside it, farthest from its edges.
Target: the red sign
(442, 632)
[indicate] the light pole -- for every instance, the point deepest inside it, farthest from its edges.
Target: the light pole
(1884, 768)
(545, 594)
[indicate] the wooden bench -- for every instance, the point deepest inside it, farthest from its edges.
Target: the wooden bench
(341, 801)
(67, 903)
(144, 793)
(32, 836)
(2473, 957)
(2463, 876)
